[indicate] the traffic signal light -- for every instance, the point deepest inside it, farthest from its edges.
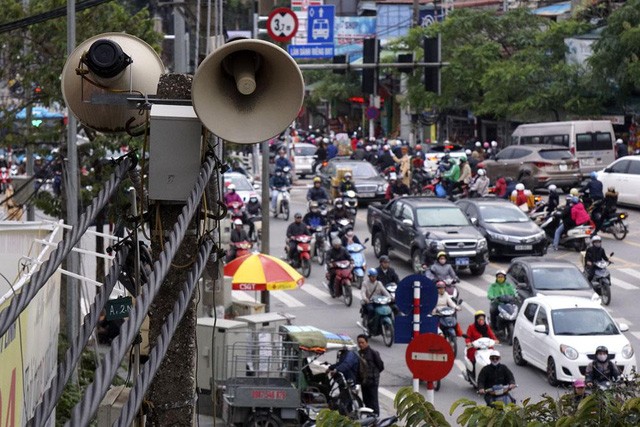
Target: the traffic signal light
(340, 59)
(431, 47)
(370, 49)
(405, 58)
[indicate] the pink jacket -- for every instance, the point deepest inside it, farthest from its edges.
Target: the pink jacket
(579, 214)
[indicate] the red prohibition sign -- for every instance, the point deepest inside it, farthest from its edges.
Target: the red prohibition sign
(282, 24)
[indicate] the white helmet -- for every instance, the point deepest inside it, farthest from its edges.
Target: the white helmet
(494, 353)
(520, 187)
(482, 172)
(596, 238)
(325, 140)
(552, 187)
(619, 141)
(231, 187)
(237, 222)
(494, 143)
(478, 144)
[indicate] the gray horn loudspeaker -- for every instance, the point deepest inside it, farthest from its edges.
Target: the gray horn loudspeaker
(247, 91)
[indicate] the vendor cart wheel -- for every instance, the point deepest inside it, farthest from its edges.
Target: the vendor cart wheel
(263, 419)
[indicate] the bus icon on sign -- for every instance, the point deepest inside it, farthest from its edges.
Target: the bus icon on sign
(320, 29)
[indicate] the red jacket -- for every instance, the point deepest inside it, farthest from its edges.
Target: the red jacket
(472, 335)
(579, 214)
(500, 188)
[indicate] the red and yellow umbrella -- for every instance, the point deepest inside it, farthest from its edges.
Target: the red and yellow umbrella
(260, 272)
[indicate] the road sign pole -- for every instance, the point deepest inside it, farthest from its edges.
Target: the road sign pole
(416, 323)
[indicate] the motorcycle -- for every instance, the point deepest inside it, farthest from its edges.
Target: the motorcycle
(420, 178)
(447, 322)
(236, 211)
(615, 225)
(342, 282)
(483, 347)
(257, 228)
(601, 280)
(506, 320)
(539, 211)
(382, 321)
(575, 238)
(339, 228)
(500, 393)
(356, 250)
(282, 202)
(242, 248)
(303, 256)
(351, 203)
(319, 244)
(451, 287)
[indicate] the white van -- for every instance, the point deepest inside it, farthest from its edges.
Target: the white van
(591, 141)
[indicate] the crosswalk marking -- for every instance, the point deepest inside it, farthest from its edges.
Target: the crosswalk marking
(620, 320)
(635, 334)
(622, 284)
(489, 279)
(387, 393)
(630, 271)
(286, 299)
(472, 289)
(321, 295)
(243, 296)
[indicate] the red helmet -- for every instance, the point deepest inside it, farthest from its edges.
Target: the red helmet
(418, 147)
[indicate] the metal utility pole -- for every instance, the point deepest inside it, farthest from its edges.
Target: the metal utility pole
(71, 190)
(179, 45)
(266, 202)
(31, 215)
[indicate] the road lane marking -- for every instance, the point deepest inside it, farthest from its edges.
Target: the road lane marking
(635, 334)
(243, 296)
(472, 289)
(489, 278)
(619, 320)
(286, 299)
(460, 364)
(622, 284)
(387, 393)
(321, 295)
(468, 307)
(630, 271)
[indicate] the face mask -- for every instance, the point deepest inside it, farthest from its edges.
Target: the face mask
(500, 280)
(602, 357)
(495, 362)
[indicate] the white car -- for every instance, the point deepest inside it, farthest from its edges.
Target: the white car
(624, 175)
(303, 158)
(243, 186)
(560, 334)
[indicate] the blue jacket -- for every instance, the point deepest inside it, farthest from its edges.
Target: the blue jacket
(594, 188)
(349, 364)
(281, 162)
(332, 151)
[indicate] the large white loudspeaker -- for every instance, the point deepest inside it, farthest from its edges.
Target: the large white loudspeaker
(101, 72)
(247, 91)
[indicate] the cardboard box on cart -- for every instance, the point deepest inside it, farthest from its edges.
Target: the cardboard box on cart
(336, 180)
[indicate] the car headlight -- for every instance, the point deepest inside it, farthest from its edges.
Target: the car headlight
(569, 352)
(627, 351)
(382, 188)
(482, 243)
(496, 236)
(540, 235)
(436, 245)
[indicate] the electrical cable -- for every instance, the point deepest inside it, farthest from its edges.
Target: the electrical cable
(49, 267)
(84, 410)
(72, 356)
(169, 327)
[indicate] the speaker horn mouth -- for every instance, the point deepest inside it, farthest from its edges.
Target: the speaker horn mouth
(242, 66)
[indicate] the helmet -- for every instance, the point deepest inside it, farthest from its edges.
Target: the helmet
(574, 192)
(520, 186)
(611, 189)
(313, 204)
(619, 141)
(338, 202)
(478, 144)
(602, 349)
(440, 284)
(325, 140)
(463, 158)
(596, 238)
(298, 215)
(237, 222)
(386, 147)
(494, 353)
(552, 187)
(478, 314)
(418, 147)
(442, 253)
(467, 152)
(393, 177)
(231, 187)
(593, 175)
(494, 143)
(372, 272)
(317, 179)
(485, 145)
(368, 148)
(347, 175)
(384, 258)
(482, 172)
(501, 272)
(579, 383)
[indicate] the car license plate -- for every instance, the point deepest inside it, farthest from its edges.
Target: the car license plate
(367, 195)
(462, 261)
(562, 167)
(524, 247)
(587, 161)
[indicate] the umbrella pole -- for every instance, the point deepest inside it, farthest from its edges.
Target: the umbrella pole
(266, 202)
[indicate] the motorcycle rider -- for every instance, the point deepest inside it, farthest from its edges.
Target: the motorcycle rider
(314, 218)
(445, 300)
(235, 167)
(451, 176)
(605, 209)
(317, 193)
(602, 369)
(371, 288)
(594, 253)
(478, 329)
(385, 160)
(347, 184)
(522, 197)
(277, 182)
(231, 196)
(395, 188)
(296, 228)
(238, 234)
(465, 173)
(336, 253)
(497, 289)
(404, 162)
(338, 212)
(350, 237)
(480, 185)
(494, 374)
(253, 210)
(441, 270)
(387, 275)
(554, 199)
(348, 364)
(566, 221)
(593, 188)
(282, 161)
(320, 155)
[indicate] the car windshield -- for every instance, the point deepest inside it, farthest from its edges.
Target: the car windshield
(555, 154)
(502, 213)
(360, 170)
(304, 151)
(241, 183)
(583, 321)
(557, 278)
(441, 217)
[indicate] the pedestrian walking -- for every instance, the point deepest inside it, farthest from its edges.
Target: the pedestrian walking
(375, 365)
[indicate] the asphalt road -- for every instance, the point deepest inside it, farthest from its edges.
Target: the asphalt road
(311, 304)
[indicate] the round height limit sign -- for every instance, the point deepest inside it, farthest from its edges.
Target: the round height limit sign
(282, 24)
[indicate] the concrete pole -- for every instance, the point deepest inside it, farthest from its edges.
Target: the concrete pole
(266, 202)
(179, 44)
(72, 191)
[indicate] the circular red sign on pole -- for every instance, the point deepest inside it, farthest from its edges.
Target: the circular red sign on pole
(429, 357)
(282, 24)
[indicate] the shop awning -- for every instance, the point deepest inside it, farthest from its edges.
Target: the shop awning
(554, 9)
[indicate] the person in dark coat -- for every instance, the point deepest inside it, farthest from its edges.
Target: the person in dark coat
(621, 149)
(348, 364)
(494, 374)
(370, 383)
